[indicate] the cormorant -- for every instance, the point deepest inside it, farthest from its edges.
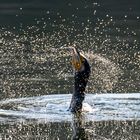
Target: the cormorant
(82, 72)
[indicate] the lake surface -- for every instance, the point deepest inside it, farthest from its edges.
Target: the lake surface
(105, 116)
(33, 67)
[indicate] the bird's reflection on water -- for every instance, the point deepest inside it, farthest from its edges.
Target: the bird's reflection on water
(78, 129)
(104, 130)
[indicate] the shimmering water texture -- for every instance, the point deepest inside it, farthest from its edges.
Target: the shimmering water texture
(33, 67)
(53, 108)
(31, 60)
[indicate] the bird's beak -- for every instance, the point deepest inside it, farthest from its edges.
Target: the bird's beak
(73, 52)
(76, 59)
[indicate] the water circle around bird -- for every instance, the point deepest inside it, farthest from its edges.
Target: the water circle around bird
(53, 108)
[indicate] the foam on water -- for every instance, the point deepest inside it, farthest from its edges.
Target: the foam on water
(53, 108)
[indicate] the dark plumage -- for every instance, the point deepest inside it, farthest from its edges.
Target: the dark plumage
(82, 73)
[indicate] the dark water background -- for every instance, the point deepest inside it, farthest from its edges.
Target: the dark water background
(32, 30)
(31, 65)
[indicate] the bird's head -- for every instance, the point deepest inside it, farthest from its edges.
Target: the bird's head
(77, 58)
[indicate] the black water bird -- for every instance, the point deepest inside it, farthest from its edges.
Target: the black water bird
(82, 72)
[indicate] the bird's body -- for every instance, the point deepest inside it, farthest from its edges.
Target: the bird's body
(82, 73)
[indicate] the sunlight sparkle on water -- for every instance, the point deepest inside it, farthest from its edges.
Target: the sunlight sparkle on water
(33, 66)
(28, 53)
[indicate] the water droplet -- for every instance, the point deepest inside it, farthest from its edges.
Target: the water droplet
(48, 12)
(94, 12)
(69, 4)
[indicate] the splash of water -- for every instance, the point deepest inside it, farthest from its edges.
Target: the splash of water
(53, 108)
(105, 74)
(32, 65)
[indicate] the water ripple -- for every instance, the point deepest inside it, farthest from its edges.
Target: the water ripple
(53, 108)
